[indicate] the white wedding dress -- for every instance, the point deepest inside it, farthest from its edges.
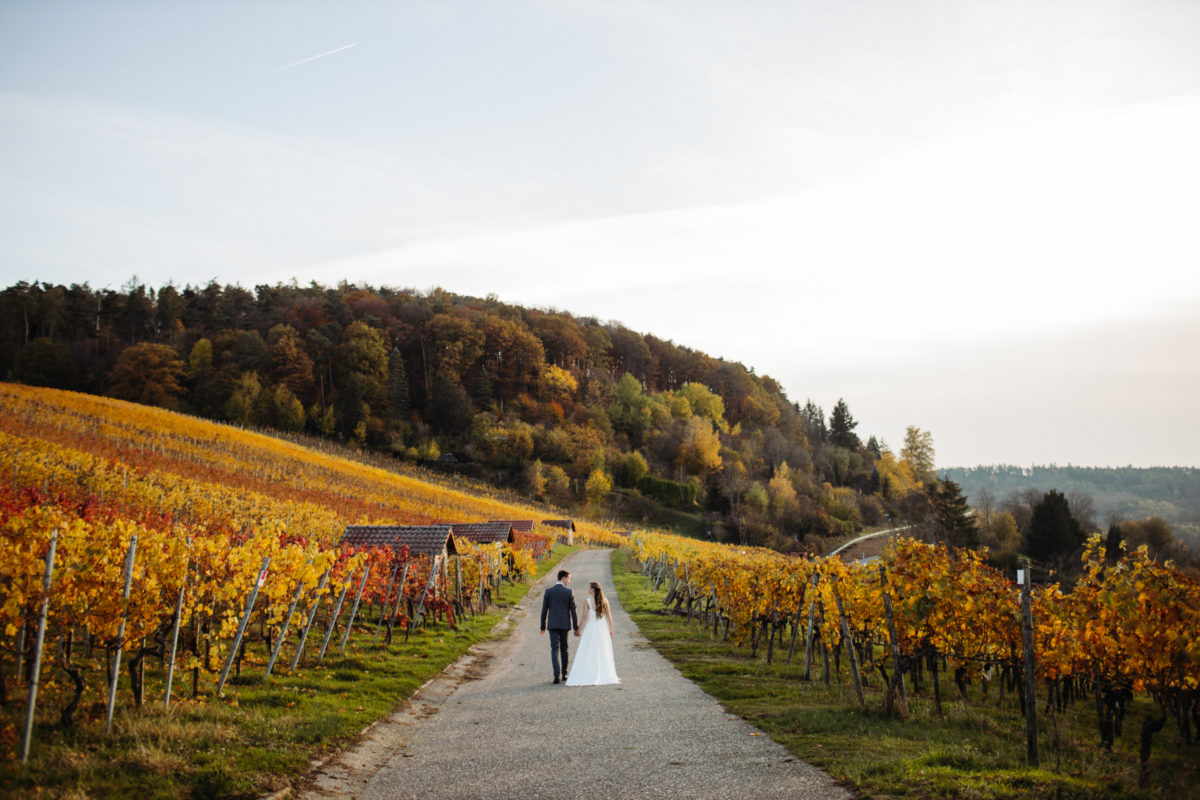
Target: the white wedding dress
(593, 664)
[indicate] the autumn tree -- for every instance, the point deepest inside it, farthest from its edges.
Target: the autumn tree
(151, 374)
(700, 451)
(704, 403)
(455, 344)
(533, 478)
(630, 468)
(242, 407)
(1001, 535)
(630, 409)
(290, 363)
(287, 412)
(918, 452)
(597, 487)
(362, 356)
(558, 485)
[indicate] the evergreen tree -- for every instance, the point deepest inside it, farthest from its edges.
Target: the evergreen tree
(348, 406)
(397, 387)
(814, 419)
(842, 425)
(951, 516)
(1054, 534)
(449, 406)
(1112, 542)
(45, 362)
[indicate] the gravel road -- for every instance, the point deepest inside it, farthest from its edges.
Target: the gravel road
(494, 726)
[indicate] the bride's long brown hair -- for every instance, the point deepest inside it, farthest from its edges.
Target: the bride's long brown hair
(601, 600)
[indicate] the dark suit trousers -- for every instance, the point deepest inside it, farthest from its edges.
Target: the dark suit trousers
(558, 645)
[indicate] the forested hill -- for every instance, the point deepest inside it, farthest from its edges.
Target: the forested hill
(583, 413)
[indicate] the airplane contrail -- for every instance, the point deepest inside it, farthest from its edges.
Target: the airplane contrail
(310, 58)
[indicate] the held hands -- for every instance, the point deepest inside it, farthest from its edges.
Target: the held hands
(577, 631)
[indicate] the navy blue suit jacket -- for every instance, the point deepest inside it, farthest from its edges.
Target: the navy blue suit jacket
(558, 609)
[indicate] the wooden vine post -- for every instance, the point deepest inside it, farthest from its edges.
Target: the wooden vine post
(808, 635)
(35, 672)
(897, 673)
(850, 653)
(1031, 742)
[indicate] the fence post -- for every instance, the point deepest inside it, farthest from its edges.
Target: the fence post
(116, 673)
(237, 639)
(35, 675)
(853, 656)
(808, 636)
(897, 674)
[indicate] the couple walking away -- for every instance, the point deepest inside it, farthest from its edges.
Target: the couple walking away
(594, 656)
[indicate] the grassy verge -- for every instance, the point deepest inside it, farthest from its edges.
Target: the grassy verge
(974, 750)
(251, 741)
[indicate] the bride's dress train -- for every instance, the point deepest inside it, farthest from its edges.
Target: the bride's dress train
(593, 664)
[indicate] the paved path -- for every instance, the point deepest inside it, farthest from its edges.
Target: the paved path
(493, 726)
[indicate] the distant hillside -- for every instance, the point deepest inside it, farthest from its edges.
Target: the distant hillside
(583, 413)
(1172, 493)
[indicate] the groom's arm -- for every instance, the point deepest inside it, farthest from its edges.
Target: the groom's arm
(545, 608)
(574, 619)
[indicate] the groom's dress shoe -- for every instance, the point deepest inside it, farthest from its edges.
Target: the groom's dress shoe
(556, 679)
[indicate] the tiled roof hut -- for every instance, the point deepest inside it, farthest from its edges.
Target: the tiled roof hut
(422, 540)
(484, 532)
(518, 525)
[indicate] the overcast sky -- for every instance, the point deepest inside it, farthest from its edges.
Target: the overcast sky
(980, 218)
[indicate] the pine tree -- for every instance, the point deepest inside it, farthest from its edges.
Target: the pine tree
(1054, 534)
(398, 406)
(951, 515)
(842, 425)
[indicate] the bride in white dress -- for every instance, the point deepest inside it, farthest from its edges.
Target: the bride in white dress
(593, 663)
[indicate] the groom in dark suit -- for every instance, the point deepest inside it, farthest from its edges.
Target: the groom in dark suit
(558, 615)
